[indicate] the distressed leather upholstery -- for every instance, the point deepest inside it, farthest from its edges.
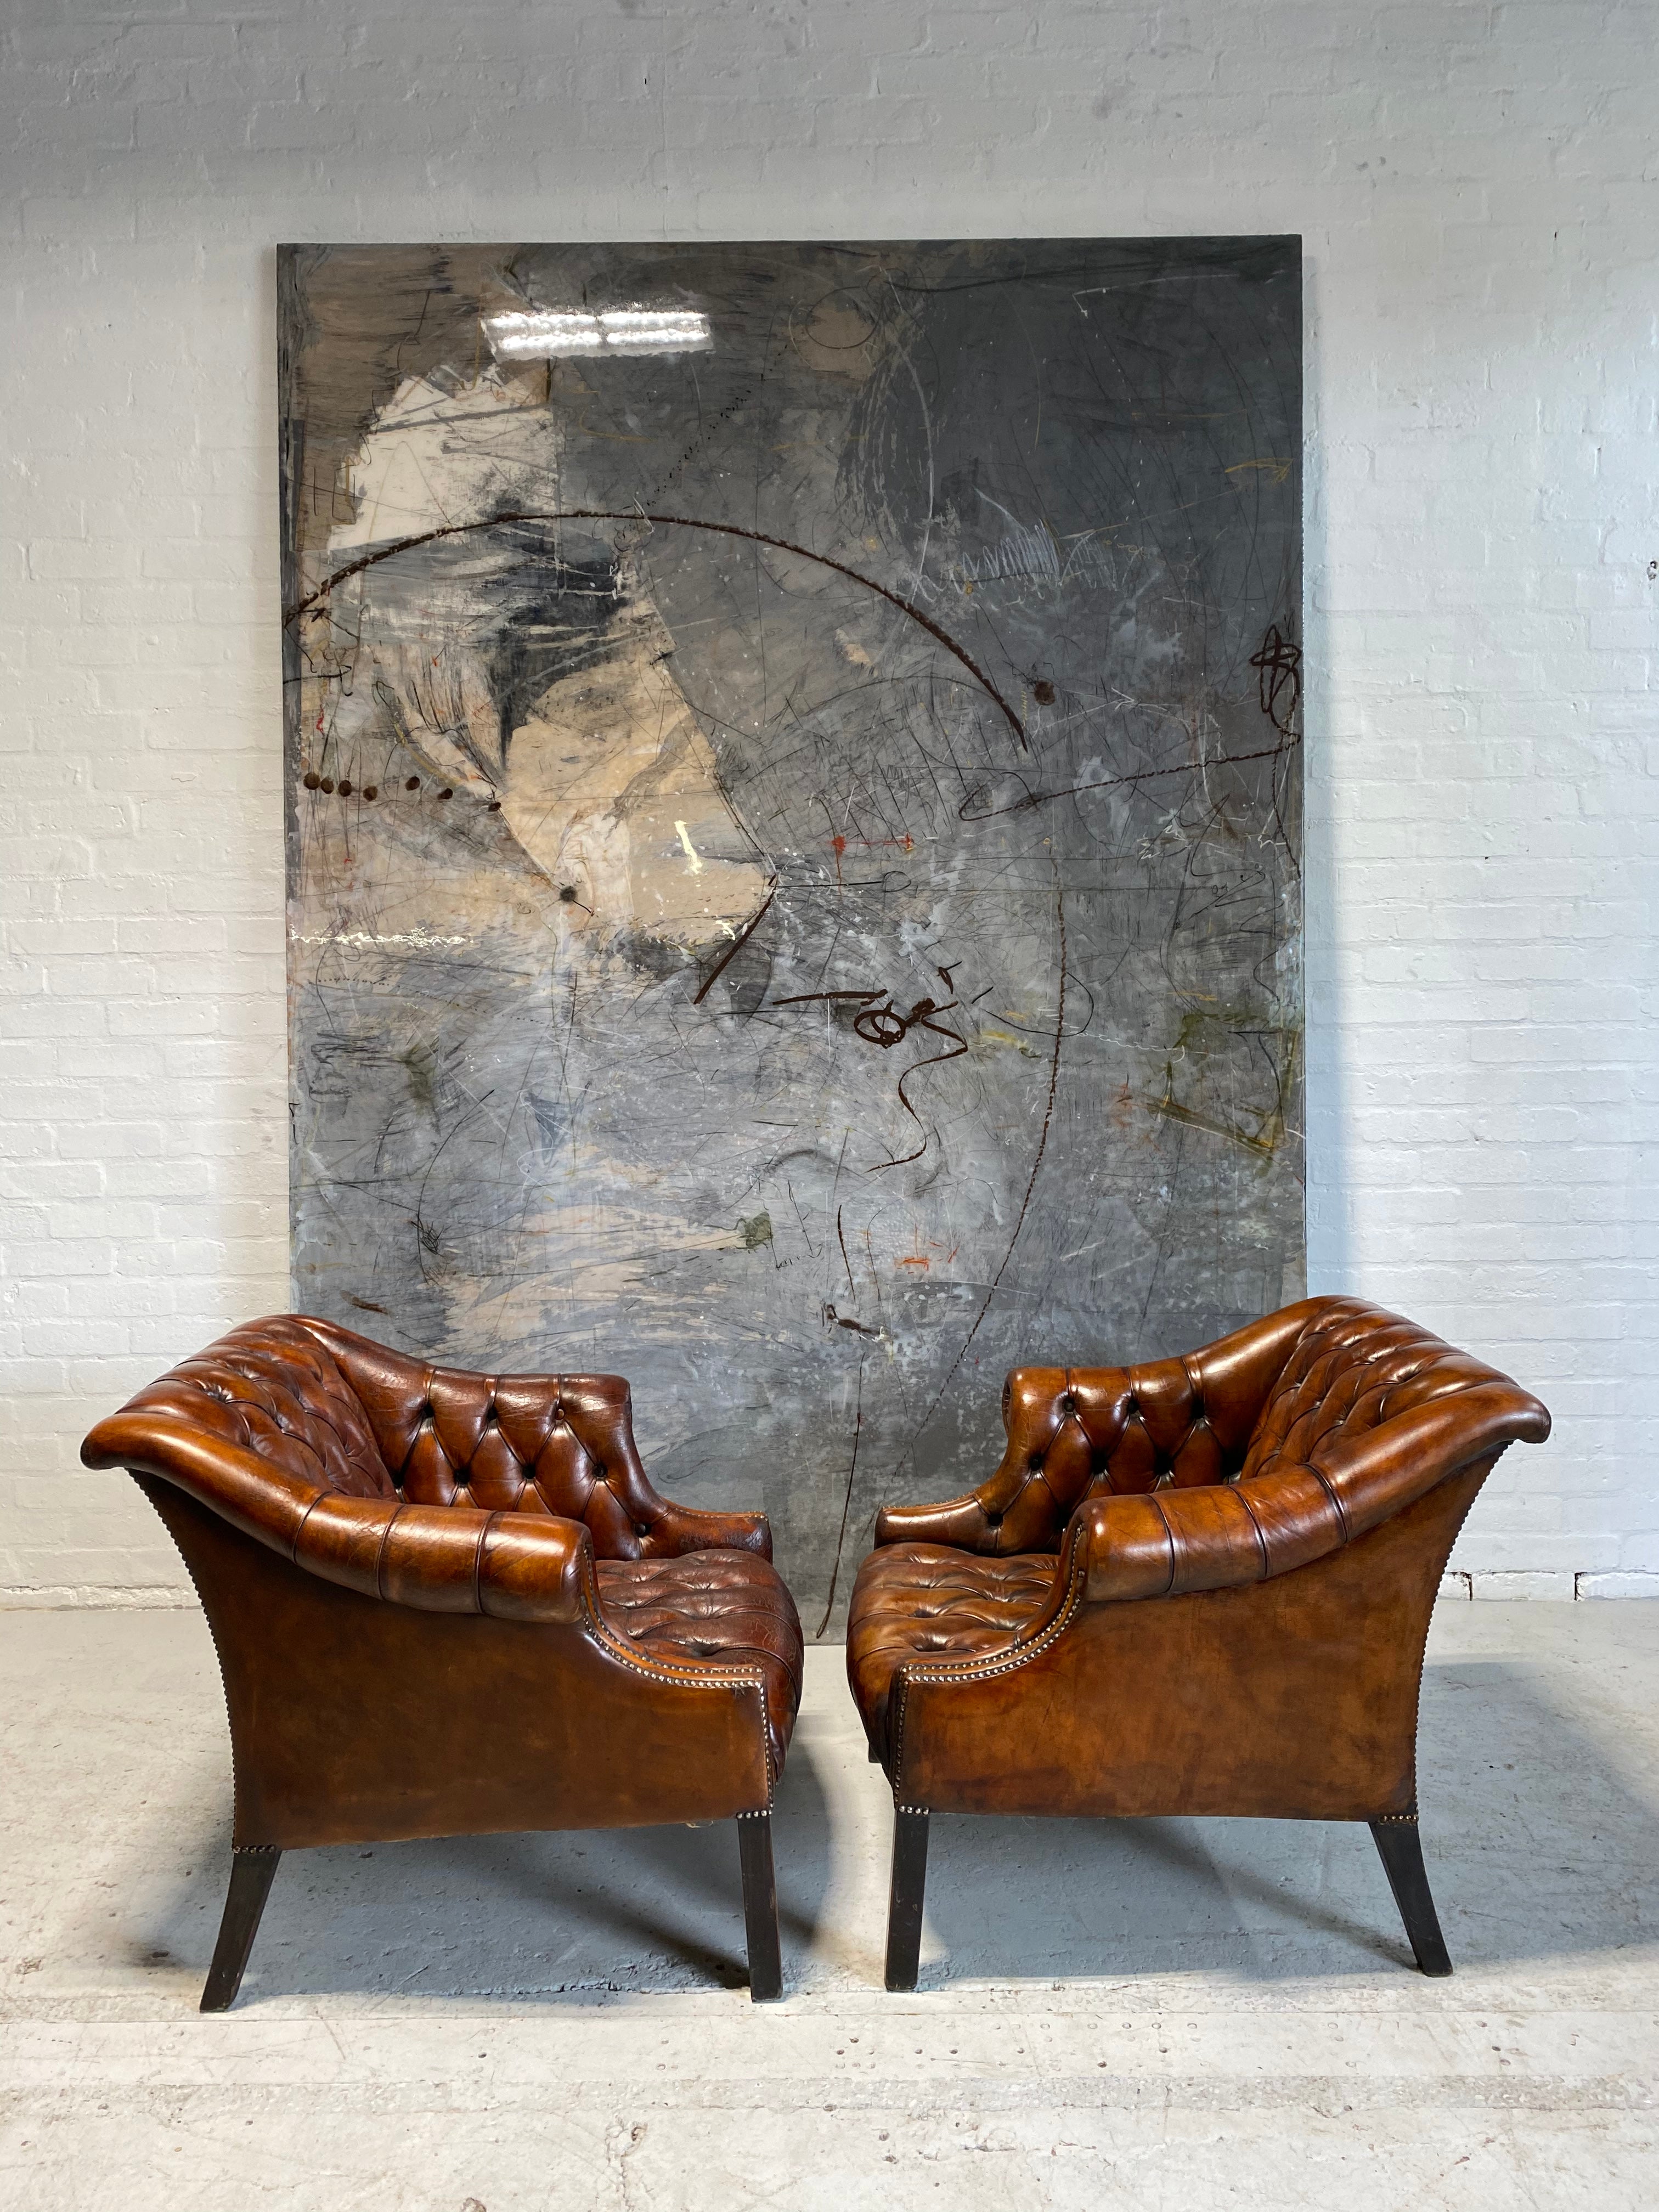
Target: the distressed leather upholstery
(425, 1485)
(713, 1605)
(1243, 1463)
(447, 1602)
(917, 1600)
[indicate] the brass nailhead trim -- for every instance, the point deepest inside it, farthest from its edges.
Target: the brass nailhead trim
(1007, 1664)
(678, 1671)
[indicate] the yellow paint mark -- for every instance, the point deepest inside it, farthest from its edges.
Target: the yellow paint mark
(1277, 470)
(690, 849)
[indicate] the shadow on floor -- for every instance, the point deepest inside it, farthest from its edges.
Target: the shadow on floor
(522, 1917)
(1537, 1843)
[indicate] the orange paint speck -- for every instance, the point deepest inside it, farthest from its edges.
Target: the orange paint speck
(915, 1263)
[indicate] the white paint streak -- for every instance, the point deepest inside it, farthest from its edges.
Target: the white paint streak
(420, 936)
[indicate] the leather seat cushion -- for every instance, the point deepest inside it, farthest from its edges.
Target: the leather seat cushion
(730, 1608)
(930, 1601)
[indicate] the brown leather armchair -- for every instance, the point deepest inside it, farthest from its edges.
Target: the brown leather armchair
(1199, 1586)
(448, 1603)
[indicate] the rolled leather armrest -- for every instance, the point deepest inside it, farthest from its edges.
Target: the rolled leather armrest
(1216, 1537)
(447, 1558)
(691, 1530)
(961, 1522)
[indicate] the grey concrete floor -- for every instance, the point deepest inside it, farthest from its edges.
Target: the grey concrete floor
(1153, 2014)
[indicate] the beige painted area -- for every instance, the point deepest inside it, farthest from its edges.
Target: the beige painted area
(440, 453)
(610, 786)
(612, 789)
(837, 338)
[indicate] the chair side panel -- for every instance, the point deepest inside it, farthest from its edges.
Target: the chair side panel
(356, 1721)
(1293, 1698)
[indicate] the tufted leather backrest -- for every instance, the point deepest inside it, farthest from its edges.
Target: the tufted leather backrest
(1076, 1433)
(507, 1443)
(1283, 1391)
(273, 1390)
(1352, 1366)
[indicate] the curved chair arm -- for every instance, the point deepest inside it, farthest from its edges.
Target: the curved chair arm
(432, 1425)
(1023, 1505)
(690, 1529)
(1167, 1543)
(436, 1558)
(1072, 1428)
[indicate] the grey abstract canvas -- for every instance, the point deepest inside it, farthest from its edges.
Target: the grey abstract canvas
(794, 818)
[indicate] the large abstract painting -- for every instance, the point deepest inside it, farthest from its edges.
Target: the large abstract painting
(793, 816)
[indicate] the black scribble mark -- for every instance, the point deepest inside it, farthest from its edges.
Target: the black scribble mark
(511, 516)
(846, 1503)
(736, 946)
(959, 1047)
(885, 1026)
(363, 1305)
(567, 897)
(832, 1319)
(842, 1241)
(1025, 1203)
(1034, 799)
(811, 1247)
(1278, 680)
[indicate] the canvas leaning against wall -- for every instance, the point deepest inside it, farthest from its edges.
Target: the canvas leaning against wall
(793, 818)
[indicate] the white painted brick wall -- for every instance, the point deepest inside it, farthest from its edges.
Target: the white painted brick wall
(1476, 185)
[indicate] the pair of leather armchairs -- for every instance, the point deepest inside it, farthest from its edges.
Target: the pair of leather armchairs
(452, 1603)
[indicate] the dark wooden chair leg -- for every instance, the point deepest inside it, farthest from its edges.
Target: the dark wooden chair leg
(1400, 1849)
(760, 1907)
(905, 1899)
(252, 1868)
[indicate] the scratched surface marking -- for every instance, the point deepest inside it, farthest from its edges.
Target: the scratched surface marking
(793, 843)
